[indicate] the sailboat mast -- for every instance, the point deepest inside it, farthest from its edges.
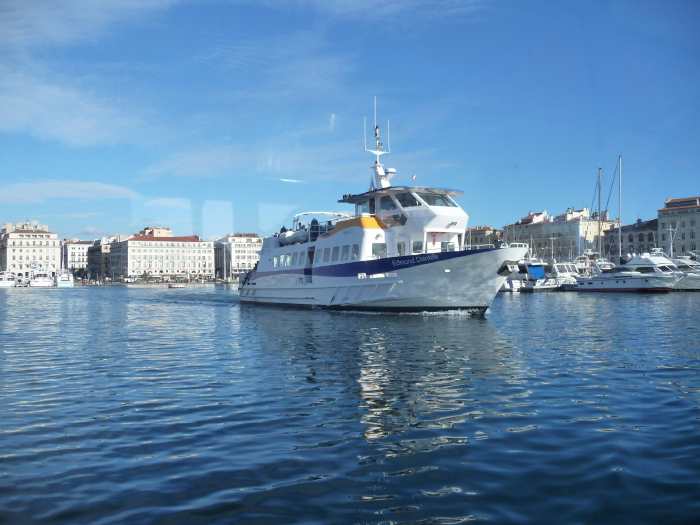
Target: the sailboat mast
(619, 210)
(600, 243)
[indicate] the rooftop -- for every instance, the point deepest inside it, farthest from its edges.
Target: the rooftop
(185, 238)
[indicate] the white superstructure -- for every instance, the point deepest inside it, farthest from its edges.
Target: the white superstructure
(64, 279)
(403, 248)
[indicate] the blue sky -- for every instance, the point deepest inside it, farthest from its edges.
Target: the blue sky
(221, 115)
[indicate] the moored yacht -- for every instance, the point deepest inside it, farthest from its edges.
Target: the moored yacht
(64, 279)
(41, 279)
(643, 273)
(8, 280)
(687, 269)
(403, 249)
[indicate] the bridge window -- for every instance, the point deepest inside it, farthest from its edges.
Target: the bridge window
(437, 199)
(407, 200)
(355, 252)
(417, 246)
(363, 207)
(326, 254)
(401, 248)
(345, 255)
(386, 203)
(336, 253)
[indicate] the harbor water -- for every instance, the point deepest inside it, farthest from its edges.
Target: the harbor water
(150, 405)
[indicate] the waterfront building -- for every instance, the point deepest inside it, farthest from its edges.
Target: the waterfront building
(637, 238)
(155, 252)
(483, 235)
(75, 255)
(28, 247)
(679, 226)
(237, 253)
(563, 236)
(99, 264)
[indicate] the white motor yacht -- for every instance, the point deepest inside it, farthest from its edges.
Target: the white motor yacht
(403, 249)
(688, 270)
(65, 279)
(536, 278)
(643, 273)
(41, 279)
(8, 280)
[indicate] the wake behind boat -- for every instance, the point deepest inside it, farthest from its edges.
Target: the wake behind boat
(403, 249)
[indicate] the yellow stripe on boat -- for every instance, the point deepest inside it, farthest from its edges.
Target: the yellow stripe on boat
(366, 223)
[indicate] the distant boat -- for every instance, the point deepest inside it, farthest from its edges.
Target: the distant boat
(41, 279)
(176, 285)
(65, 280)
(643, 273)
(8, 280)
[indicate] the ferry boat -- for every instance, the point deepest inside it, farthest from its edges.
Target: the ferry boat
(41, 279)
(403, 249)
(8, 280)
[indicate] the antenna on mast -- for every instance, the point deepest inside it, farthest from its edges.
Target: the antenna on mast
(364, 131)
(388, 137)
(375, 111)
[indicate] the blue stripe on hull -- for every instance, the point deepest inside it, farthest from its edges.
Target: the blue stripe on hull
(388, 264)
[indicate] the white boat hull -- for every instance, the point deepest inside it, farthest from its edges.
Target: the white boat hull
(438, 281)
(65, 284)
(625, 282)
(7, 284)
(41, 284)
(689, 282)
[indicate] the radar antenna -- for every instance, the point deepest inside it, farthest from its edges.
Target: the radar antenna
(382, 177)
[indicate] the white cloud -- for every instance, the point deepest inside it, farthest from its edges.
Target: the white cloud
(292, 181)
(50, 109)
(331, 123)
(168, 202)
(32, 192)
(385, 9)
(27, 23)
(205, 161)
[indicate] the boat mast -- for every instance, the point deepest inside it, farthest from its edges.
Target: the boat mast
(619, 211)
(600, 239)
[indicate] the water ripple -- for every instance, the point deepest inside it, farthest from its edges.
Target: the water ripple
(183, 406)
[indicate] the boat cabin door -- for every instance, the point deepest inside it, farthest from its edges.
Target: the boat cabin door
(308, 267)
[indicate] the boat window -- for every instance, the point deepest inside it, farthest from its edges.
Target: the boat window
(644, 269)
(371, 206)
(436, 199)
(363, 207)
(386, 203)
(417, 246)
(274, 262)
(665, 269)
(326, 254)
(683, 267)
(345, 255)
(310, 258)
(294, 259)
(447, 246)
(336, 253)
(401, 248)
(379, 249)
(407, 200)
(355, 252)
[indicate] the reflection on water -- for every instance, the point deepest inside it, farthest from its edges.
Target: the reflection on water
(182, 406)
